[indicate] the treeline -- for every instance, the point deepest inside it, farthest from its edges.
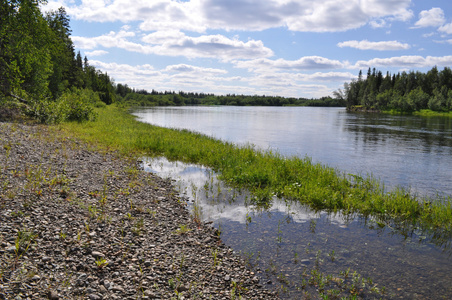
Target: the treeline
(41, 75)
(167, 98)
(404, 92)
(39, 66)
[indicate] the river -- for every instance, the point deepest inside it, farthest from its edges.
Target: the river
(286, 242)
(410, 151)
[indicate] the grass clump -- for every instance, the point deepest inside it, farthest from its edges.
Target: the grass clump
(267, 174)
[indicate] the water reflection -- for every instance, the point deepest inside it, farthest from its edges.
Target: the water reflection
(409, 151)
(289, 243)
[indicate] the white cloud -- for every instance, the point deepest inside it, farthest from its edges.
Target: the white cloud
(208, 80)
(287, 84)
(381, 46)
(327, 76)
(184, 68)
(447, 29)
(200, 15)
(160, 37)
(215, 46)
(426, 35)
(54, 5)
(443, 41)
(178, 44)
(139, 76)
(380, 23)
(96, 53)
(322, 16)
(304, 63)
(431, 18)
(110, 40)
(409, 62)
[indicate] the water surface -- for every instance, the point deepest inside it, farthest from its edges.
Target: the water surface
(284, 242)
(410, 151)
(287, 241)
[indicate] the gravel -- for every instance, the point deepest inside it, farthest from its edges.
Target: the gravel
(76, 223)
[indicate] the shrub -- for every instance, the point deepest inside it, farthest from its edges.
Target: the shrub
(73, 105)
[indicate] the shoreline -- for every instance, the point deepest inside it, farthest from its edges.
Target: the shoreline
(80, 224)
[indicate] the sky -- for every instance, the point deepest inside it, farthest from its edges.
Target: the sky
(290, 48)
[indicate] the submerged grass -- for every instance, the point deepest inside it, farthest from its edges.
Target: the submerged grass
(268, 174)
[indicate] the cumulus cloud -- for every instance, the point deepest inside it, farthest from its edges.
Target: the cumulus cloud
(380, 23)
(343, 15)
(431, 18)
(304, 63)
(96, 53)
(109, 40)
(287, 84)
(164, 36)
(138, 76)
(178, 44)
(200, 15)
(309, 16)
(215, 46)
(447, 29)
(408, 61)
(327, 76)
(209, 80)
(381, 46)
(184, 68)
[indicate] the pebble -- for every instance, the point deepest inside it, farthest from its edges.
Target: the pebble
(53, 295)
(72, 232)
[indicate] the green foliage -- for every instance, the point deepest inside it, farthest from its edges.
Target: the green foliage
(144, 98)
(24, 57)
(38, 64)
(404, 92)
(73, 105)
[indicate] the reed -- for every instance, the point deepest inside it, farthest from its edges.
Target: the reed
(265, 173)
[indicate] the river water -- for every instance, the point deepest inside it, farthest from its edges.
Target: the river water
(414, 152)
(286, 242)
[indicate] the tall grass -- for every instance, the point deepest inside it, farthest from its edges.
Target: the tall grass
(268, 174)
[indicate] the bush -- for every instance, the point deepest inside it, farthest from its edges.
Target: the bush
(10, 110)
(73, 105)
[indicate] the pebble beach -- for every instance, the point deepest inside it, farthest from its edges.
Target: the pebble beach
(81, 223)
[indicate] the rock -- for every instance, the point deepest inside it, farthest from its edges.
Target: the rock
(181, 288)
(103, 289)
(118, 288)
(107, 284)
(97, 254)
(94, 297)
(134, 228)
(53, 295)
(11, 249)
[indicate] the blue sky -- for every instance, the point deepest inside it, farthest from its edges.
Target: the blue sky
(293, 48)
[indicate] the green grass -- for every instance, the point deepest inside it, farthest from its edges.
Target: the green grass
(429, 113)
(422, 113)
(268, 174)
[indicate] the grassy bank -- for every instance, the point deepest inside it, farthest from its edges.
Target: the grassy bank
(431, 113)
(422, 113)
(269, 174)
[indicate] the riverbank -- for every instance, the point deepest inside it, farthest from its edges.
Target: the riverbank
(84, 224)
(267, 174)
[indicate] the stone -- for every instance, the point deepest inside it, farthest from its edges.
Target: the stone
(94, 297)
(97, 254)
(53, 295)
(69, 239)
